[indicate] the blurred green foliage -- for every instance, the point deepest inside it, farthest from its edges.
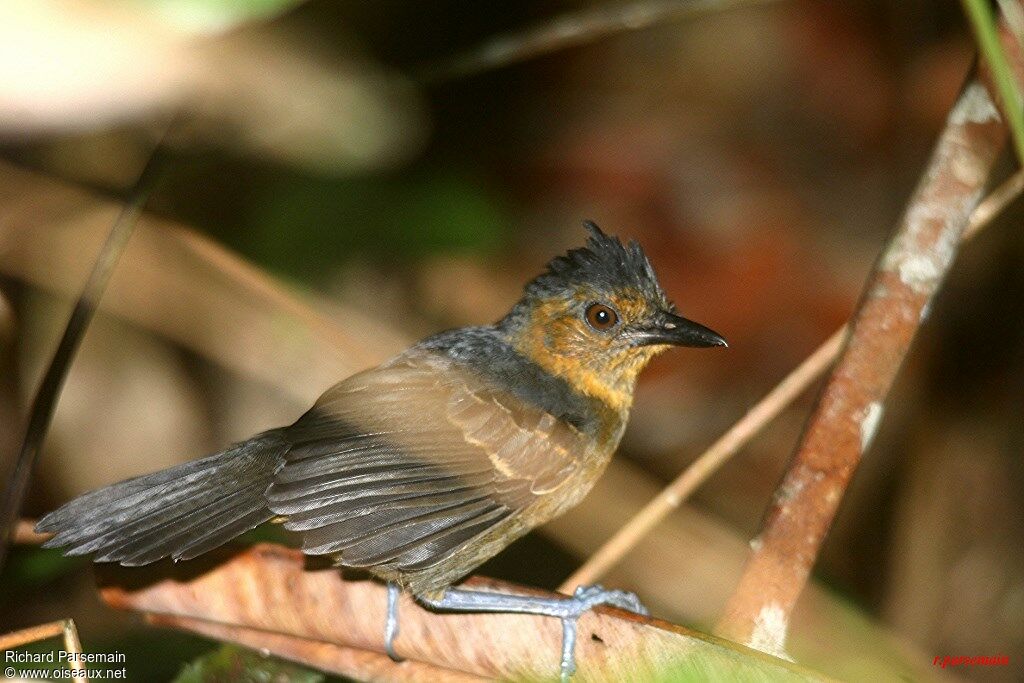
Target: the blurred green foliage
(232, 664)
(201, 16)
(31, 568)
(305, 226)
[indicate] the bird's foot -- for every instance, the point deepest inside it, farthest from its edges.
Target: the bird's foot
(391, 622)
(584, 599)
(568, 610)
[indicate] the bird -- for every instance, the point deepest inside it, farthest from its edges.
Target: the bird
(422, 468)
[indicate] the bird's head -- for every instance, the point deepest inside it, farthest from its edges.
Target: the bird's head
(597, 315)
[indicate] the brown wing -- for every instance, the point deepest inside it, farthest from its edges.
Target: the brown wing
(404, 464)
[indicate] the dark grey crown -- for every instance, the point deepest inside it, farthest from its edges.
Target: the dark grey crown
(605, 263)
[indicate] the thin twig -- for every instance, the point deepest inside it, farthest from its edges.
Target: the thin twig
(570, 30)
(751, 424)
(41, 412)
(64, 628)
(846, 417)
(995, 203)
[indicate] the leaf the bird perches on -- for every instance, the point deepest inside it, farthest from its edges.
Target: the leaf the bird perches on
(268, 598)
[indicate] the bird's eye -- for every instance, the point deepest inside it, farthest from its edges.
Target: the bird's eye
(601, 317)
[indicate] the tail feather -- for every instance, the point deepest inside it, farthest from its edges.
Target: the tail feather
(171, 533)
(180, 512)
(177, 535)
(90, 528)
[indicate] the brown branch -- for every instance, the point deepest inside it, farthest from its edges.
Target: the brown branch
(570, 30)
(848, 412)
(751, 424)
(267, 598)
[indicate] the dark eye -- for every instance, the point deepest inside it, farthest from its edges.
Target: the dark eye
(601, 317)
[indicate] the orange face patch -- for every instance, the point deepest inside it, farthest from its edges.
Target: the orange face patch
(595, 363)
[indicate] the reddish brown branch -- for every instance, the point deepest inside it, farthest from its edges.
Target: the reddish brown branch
(850, 407)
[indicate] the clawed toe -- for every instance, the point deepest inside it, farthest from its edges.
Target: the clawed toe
(592, 596)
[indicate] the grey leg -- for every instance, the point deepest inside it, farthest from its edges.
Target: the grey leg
(391, 624)
(566, 609)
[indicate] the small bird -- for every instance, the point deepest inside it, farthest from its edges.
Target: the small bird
(424, 467)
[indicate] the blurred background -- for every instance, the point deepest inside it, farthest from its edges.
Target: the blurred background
(342, 155)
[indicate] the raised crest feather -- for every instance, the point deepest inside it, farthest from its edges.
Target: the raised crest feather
(604, 263)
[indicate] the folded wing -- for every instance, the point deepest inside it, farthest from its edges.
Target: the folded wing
(405, 464)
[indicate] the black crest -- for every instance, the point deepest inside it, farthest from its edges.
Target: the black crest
(605, 263)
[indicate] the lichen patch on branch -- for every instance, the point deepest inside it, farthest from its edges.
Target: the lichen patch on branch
(769, 634)
(921, 269)
(869, 425)
(975, 106)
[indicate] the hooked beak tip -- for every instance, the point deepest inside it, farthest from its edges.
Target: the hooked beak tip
(709, 339)
(678, 331)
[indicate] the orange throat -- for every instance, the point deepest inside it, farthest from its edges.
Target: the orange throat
(607, 377)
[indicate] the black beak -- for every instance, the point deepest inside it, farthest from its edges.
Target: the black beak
(669, 328)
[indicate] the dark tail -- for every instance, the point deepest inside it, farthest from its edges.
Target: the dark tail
(180, 512)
